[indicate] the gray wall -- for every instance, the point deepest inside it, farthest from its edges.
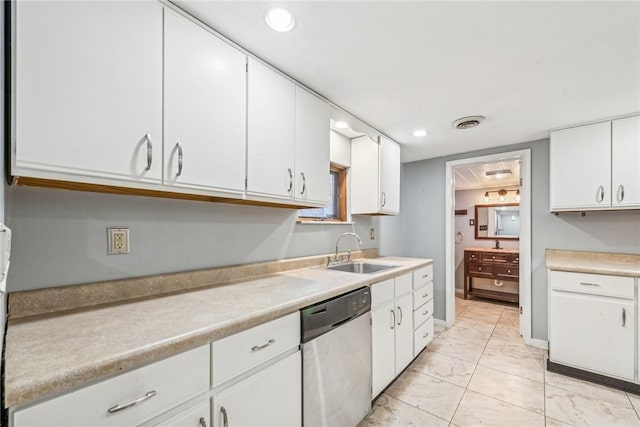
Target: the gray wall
(422, 221)
(59, 236)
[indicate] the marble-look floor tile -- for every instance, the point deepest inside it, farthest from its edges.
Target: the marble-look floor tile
(552, 422)
(514, 360)
(430, 394)
(459, 349)
(510, 319)
(635, 401)
(479, 316)
(475, 335)
(390, 412)
(586, 388)
(441, 366)
(477, 409)
(588, 410)
(519, 391)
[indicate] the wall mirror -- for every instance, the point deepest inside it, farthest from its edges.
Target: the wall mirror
(499, 221)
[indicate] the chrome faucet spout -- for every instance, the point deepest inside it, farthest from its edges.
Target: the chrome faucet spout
(354, 235)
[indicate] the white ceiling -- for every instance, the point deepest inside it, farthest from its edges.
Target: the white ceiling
(473, 176)
(527, 66)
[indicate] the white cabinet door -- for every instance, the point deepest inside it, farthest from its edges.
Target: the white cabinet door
(204, 109)
(195, 416)
(389, 176)
(311, 149)
(365, 176)
(625, 162)
(270, 397)
(404, 332)
(270, 139)
(592, 333)
(580, 167)
(383, 324)
(88, 82)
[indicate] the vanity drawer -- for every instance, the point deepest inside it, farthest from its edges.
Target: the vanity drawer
(506, 272)
(422, 336)
(422, 313)
(422, 295)
(422, 276)
(514, 259)
(493, 257)
(594, 284)
(472, 256)
(236, 354)
(164, 384)
(480, 269)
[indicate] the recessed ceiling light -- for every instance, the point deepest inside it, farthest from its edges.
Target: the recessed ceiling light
(468, 122)
(280, 19)
(420, 133)
(341, 125)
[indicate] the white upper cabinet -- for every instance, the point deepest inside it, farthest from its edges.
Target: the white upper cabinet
(204, 109)
(271, 133)
(580, 167)
(596, 166)
(625, 161)
(375, 176)
(311, 149)
(88, 91)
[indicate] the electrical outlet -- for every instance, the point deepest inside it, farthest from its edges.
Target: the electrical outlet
(117, 240)
(372, 233)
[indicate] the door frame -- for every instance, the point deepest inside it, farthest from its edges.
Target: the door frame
(524, 242)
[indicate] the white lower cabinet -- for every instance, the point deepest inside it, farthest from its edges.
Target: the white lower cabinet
(422, 308)
(198, 415)
(270, 397)
(392, 330)
(127, 399)
(592, 323)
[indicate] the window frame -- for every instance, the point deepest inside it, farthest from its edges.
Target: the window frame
(341, 187)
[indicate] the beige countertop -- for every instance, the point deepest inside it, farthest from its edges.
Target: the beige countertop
(498, 251)
(593, 262)
(57, 353)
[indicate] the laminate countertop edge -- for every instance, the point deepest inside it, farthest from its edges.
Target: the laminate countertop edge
(50, 356)
(627, 265)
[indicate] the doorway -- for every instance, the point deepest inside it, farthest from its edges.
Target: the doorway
(492, 163)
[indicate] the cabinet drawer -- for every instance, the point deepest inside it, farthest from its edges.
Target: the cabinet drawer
(421, 296)
(236, 354)
(594, 284)
(403, 284)
(480, 269)
(167, 383)
(422, 313)
(506, 272)
(422, 336)
(422, 276)
(472, 256)
(493, 257)
(514, 259)
(381, 292)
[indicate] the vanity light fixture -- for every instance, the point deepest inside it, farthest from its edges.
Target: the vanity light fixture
(502, 195)
(341, 125)
(419, 133)
(487, 197)
(280, 19)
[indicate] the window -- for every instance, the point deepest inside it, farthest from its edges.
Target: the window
(336, 209)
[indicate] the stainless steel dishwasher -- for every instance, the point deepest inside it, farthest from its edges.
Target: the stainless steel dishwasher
(336, 360)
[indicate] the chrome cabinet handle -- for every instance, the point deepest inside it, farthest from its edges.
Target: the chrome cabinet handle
(621, 192)
(425, 313)
(179, 147)
(425, 276)
(260, 347)
(290, 181)
(425, 295)
(304, 183)
(202, 422)
(624, 317)
(119, 408)
(600, 194)
(393, 320)
(384, 199)
(225, 419)
(400, 315)
(425, 335)
(588, 284)
(149, 152)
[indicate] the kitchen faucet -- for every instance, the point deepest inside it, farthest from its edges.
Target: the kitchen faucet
(335, 258)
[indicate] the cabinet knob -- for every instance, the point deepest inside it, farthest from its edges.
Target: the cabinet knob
(479, 268)
(508, 271)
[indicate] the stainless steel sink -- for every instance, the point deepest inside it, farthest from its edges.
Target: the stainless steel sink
(360, 267)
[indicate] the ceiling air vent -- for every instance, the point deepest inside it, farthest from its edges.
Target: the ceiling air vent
(468, 122)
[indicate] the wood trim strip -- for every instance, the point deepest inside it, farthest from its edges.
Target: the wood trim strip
(580, 374)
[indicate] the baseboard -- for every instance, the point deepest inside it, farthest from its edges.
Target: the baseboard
(534, 342)
(438, 322)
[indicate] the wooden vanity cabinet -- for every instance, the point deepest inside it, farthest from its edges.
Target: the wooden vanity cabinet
(493, 264)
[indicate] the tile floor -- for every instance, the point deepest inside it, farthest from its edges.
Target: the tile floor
(480, 372)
